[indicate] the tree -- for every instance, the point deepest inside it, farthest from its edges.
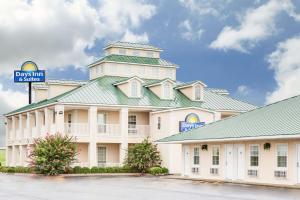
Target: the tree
(142, 156)
(53, 154)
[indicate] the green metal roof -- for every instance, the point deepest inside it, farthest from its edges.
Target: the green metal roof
(134, 60)
(103, 92)
(132, 45)
(277, 119)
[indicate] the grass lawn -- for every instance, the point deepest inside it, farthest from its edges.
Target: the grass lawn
(2, 156)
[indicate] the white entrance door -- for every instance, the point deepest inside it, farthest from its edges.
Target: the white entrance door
(298, 162)
(186, 160)
(235, 161)
(229, 161)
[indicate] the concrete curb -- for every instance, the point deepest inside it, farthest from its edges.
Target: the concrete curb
(216, 181)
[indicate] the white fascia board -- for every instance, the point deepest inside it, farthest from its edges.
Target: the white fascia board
(184, 108)
(105, 61)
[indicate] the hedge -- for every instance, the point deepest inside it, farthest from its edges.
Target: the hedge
(158, 170)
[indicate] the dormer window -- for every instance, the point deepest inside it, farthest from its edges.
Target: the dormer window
(197, 92)
(167, 90)
(136, 53)
(134, 88)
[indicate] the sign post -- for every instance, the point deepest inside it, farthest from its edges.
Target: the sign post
(29, 73)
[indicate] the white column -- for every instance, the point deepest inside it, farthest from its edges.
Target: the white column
(13, 156)
(37, 122)
(21, 131)
(21, 156)
(13, 127)
(28, 125)
(59, 119)
(123, 118)
(6, 141)
(93, 131)
(47, 126)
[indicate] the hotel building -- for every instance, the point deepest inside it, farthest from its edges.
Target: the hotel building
(132, 94)
(259, 146)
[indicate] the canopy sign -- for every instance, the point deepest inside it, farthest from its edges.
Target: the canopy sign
(191, 121)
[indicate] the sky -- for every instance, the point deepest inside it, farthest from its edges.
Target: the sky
(249, 47)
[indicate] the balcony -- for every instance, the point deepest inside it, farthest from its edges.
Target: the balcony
(138, 130)
(77, 129)
(35, 132)
(111, 130)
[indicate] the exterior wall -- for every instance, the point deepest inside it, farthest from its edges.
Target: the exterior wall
(55, 90)
(130, 52)
(40, 95)
(129, 70)
(266, 168)
(171, 153)
(82, 157)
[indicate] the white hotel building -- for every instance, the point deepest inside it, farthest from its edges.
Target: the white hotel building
(132, 94)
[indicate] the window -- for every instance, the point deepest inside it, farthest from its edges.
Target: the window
(101, 120)
(122, 51)
(135, 53)
(169, 73)
(101, 155)
(158, 123)
(134, 88)
(132, 124)
(197, 92)
(282, 155)
(150, 54)
(196, 156)
(215, 155)
(167, 90)
(254, 153)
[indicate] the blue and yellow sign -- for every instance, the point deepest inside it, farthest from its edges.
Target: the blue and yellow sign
(191, 121)
(29, 73)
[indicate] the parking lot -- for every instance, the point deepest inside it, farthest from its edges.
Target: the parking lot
(134, 188)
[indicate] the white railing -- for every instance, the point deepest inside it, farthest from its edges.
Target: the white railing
(43, 131)
(11, 135)
(77, 129)
(138, 130)
(109, 130)
(34, 132)
(109, 164)
(26, 133)
(52, 129)
(18, 134)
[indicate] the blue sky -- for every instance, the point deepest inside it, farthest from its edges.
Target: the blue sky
(248, 47)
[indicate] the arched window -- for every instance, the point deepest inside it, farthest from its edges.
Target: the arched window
(134, 88)
(167, 90)
(197, 92)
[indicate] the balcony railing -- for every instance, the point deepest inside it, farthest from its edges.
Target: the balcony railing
(138, 130)
(77, 129)
(108, 130)
(35, 132)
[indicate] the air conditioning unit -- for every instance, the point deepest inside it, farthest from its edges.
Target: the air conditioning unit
(195, 170)
(214, 171)
(280, 174)
(252, 173)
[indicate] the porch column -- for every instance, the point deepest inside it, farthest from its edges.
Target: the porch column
(28, 125)
(21, 155)
(21, 131)
(13, 127)
(59, 119)
(92, 116)
(13, 157)
(37, 123)
(47, 127)
(123, 118)
(6, 141)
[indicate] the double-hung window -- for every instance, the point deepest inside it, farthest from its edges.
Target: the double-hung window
(282, 150)
(196, 160)
(167, 89)
(215, 155)
(132, 124)
(254, 155)
(197, 92)
(134, 88)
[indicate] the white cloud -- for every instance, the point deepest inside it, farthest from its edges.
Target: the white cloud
(285, 61)
(256, 25)
(131, 37)
(11, 99)
(188, 32)
(56, 33)
(205, 7)
(243, 90)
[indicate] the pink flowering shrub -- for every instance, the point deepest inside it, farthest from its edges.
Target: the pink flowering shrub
(53, 154)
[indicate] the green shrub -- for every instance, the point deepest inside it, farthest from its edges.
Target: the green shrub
(158, 170)
(101, 170)
(165, 170)
(15, 170)
(53, 154)
(142, 156)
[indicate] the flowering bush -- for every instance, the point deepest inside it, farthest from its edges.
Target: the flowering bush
(53, 154)
(142, 156)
